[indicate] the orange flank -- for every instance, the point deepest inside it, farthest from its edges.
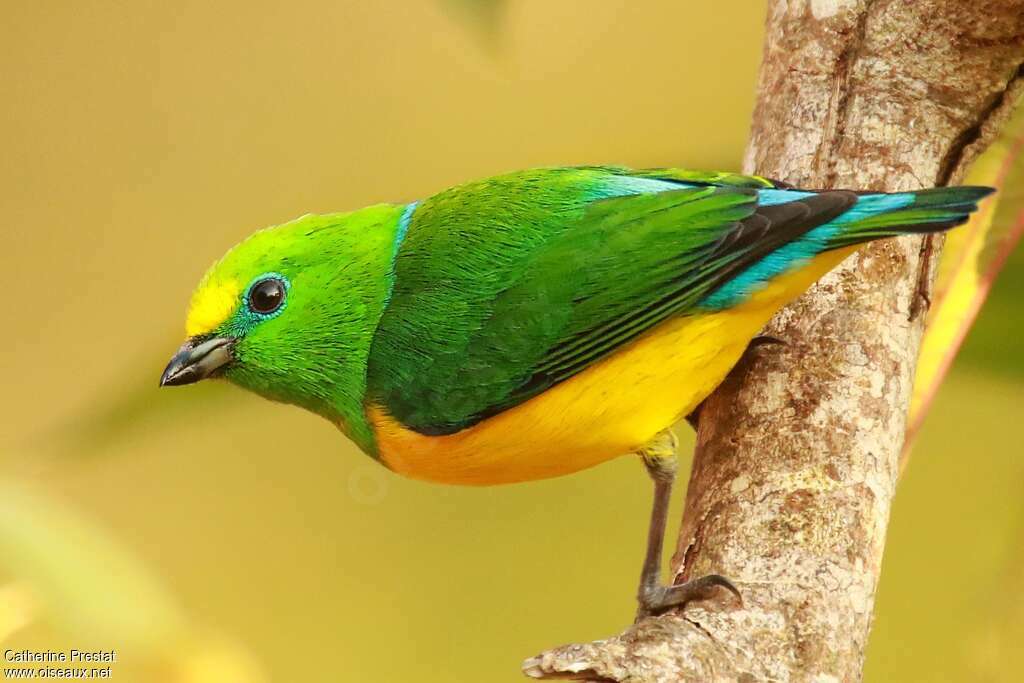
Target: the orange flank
(610, 409)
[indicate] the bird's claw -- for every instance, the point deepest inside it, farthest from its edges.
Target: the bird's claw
(657, 599)
(765, 340)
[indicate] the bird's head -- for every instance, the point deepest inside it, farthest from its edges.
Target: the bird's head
(290, 312)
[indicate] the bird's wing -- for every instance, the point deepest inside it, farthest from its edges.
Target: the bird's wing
(509, 286)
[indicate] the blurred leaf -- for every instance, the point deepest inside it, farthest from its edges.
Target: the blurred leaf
(483, 16)
(138, 404)
(17, 608)
(218, 661)
(80, 575)
(971, 260)
(71, 572)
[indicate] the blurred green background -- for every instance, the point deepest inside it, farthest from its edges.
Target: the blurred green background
(141, 139)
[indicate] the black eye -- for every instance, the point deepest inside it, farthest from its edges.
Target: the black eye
(266, 296)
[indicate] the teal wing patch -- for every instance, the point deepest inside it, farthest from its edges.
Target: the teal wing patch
(506, 290)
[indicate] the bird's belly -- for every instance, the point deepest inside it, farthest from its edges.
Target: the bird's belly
(609, 409)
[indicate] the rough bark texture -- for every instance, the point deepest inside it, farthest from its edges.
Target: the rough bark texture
(797, 453)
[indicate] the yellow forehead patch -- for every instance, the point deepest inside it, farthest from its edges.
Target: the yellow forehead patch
(211, 305)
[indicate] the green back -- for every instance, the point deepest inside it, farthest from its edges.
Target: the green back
(508, 286)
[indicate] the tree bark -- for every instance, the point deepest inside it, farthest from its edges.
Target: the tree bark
(797, 452)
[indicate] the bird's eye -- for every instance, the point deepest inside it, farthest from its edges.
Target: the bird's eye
(266, 296)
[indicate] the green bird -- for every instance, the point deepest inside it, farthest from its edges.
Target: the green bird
(532, 324)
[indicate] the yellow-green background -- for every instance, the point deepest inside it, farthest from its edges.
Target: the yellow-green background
(139, 140)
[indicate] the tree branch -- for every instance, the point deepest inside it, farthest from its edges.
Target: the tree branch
(797, 452)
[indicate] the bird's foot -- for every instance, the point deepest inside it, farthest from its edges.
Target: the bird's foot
(656, 599)
(659, 458)
(765, 340)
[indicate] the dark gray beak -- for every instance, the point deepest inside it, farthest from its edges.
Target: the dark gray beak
(197, 359)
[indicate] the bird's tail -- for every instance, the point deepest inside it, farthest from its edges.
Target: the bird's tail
(876, 216)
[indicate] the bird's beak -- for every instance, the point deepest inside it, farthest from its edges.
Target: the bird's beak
(197, 359)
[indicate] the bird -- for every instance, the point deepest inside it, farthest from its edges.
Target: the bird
(536, 323)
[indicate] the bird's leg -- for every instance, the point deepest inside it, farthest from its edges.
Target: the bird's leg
(659, 457)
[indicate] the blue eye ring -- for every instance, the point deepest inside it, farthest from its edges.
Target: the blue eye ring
(266, 295)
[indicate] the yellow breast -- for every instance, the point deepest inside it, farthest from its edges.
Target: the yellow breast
(609, 409)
